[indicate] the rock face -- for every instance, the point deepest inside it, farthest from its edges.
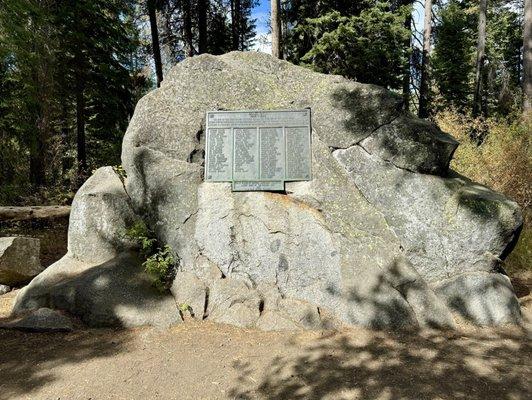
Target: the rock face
(19, 260)
(100, 280)
(383, 236)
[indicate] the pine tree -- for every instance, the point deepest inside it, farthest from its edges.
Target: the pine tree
(156, 50)
(29, 42)
(360, 40)
(452, 60)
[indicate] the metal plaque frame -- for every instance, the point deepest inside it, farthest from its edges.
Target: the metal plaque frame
(258, 149)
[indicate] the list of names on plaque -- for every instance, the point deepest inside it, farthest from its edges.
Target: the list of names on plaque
(219, 150)
(297, 154)
(258, 150)
(271, 154)
(246, 147)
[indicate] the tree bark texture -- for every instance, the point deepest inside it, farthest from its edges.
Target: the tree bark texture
(481, 55)
(155, 42)
(277, 50)
(202, 26)
(425, 62)
(527, 57)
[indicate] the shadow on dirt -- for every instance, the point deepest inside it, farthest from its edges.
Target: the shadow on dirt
(380, 365)
(28, 359)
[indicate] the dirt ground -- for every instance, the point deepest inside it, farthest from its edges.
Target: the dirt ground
(208, 361)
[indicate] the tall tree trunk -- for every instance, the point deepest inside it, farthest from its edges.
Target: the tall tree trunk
(38, 150)
(481, 54)
(527, 57)
(425, 62)
(235, 24)
(187, 28)
(155, 42)
(407, 66)
(41, 77)
(80, 125)
(277, 50)
(64, 135)
(202, 26)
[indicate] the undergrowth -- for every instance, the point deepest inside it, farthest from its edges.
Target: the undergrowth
(159, 262)
(503, 162)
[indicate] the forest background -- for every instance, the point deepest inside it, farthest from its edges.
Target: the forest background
(71, 73)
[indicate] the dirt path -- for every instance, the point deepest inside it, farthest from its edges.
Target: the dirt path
(209, 361)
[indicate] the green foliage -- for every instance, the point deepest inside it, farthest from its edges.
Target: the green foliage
(49, 51)
(220, 27)
(504, 47)
(503, 161)
(160, 267)
(120, 171)
(453, 57)
(367, 46)
(159, 262)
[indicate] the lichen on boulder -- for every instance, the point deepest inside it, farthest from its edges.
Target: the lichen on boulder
(384, 235)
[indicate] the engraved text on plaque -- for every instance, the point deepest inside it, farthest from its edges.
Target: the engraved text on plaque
(258, 150)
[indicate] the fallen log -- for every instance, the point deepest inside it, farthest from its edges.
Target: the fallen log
(8, 213)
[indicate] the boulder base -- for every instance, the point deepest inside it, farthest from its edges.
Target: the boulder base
(40, 320)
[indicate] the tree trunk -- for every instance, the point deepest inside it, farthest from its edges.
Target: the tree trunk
(425, 62)
(38, 144)
(527, 57)
(155, 42)
(37, 154)
(481, 54)
(235, 24)
(202, 26)
(80, 125)
(42, 82)
(8, 213)
(407, 66)
(187, 28)
(277, 50)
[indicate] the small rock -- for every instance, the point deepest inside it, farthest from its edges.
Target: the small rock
(189, 294)
(19, 259)
(41, 320)
(232, 302)
(481, 297)
(4, 289)
(301, 312)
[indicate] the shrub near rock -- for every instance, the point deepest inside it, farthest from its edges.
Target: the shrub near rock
(384, 235)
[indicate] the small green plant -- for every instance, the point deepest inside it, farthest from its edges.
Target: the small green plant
(121, 173)
(159, 263)
(144, 237)
(160, 267)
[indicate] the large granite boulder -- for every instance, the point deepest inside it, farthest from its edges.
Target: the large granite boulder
(100, 280)
(19, 260)
(383, 236)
